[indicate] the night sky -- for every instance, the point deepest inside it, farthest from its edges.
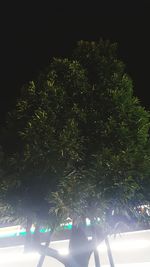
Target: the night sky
(32, 34)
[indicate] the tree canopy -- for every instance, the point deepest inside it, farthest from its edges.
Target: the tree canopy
(78, 139)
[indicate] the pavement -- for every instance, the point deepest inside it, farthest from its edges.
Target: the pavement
(128, 249)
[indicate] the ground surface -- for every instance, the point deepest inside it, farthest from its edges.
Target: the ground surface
(129, 250)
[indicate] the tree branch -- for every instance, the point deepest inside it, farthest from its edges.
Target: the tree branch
(53, 253)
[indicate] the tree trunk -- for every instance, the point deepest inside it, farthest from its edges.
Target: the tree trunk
(110, 257)
(95, 239)
(28, 238)
(80, 250)
(41, 260)
(79, 247)
(96, 258)
(36, 237)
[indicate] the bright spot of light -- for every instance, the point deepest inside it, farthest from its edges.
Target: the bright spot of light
(17, 255)
(64, 251)
(144, 264)
(125, 245)
(88, 222)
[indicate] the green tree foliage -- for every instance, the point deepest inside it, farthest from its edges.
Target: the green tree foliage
(6, 211)
(78, 141)
(113, 132)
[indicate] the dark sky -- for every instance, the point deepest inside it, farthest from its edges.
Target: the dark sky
(32, 34)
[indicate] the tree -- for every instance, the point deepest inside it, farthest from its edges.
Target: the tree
(83, 145)
(6, 211)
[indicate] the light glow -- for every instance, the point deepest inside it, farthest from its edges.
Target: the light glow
(128, 242)
(18, 257)
(63, 251)
(18, 230)
(125, 245)
(134, 264)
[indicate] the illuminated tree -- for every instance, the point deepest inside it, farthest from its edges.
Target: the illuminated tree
(83, 146)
